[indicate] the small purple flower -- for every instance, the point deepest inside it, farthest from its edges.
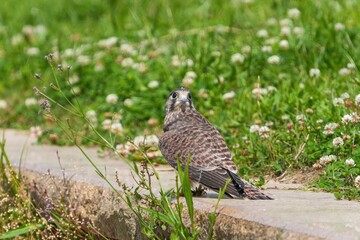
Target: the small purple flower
(45, 104)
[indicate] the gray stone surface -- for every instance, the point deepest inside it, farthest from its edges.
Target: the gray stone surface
(294, 214)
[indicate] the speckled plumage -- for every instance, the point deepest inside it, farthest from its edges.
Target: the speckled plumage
(188, 135)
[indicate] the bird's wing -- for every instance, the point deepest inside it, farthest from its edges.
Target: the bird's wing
(207, 154)
(202, 142)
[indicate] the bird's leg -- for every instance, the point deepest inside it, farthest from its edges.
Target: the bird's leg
(198, 190)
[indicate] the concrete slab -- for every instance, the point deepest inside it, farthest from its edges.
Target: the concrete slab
(294, 214)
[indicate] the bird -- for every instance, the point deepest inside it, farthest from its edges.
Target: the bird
(189, 137)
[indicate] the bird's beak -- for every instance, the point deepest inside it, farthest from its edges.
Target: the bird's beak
(183, 98)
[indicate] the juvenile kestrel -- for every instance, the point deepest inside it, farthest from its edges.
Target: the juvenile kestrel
(188, 135)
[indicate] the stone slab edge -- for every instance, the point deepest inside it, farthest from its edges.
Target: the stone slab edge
(111, 216)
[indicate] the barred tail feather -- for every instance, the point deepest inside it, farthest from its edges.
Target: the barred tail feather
(245, 189)
(254, 194)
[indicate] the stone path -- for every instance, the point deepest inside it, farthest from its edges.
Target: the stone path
(310, 215)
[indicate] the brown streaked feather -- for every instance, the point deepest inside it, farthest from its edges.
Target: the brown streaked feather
(189, 136)
(194, 136)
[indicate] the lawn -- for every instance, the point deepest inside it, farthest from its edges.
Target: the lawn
(279, 79)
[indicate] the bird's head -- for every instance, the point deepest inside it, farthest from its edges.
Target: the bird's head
(179, 100)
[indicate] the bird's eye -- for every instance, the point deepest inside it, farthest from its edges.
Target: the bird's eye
(174, 95)
(189, 96)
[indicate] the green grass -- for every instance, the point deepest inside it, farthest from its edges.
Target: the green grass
(206, 33)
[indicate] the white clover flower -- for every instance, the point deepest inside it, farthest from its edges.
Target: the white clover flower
(301, 85)
(30, 102)
(99, 66)
(189, 62)
(190, 74)
(99, 55)
(73, 79)
(237, 58)
(357, 181)
(271, 41)
(271, 89)
(90, 114)
(35, 131)
(143, 58)
(339, 27)
(83, 60)
(259, 92)
(271, 21)
(319, 121)
(309, 111)
(3, 104)
(357, 100)
(106, 124)
(286, 22)
(350, 162)
(274, 59)
(108, 43)
(298, 31)
(345, 95)
(28, 30)
(40, 31)
(69, 52)
(33, 51)
(254, 128)
(338, 101)
(269, 123)
(151, 140)
(203, 93)
(266, 49)
(175, 61)
(332, 158)
(246, 49)
(263, 33)
(329, 128)
(346, 119)
(17, 39)
(187, 82)
(300, 118)
(112, 98)
(351, 66)
(128, 102)
(116, 128)
(355, 118)
(285, 31)
(127, 49)
(229, 96)
(285, 117)
(327, 159)
(139, 141)
(314, 72)
(140, 67)
(294, 13)
(127, 62)
(264, 132)
(153, 84)
(338, 141)
(123, 149)
(221, 79)
(344, 72)
(76, 90)
(284, 44)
